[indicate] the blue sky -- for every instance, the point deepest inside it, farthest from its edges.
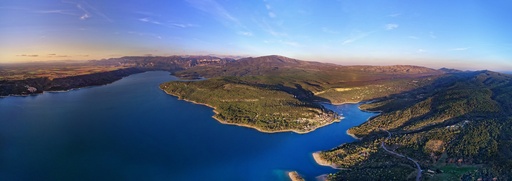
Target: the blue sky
(458, 34)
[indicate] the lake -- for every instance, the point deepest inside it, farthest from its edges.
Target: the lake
(132, 130)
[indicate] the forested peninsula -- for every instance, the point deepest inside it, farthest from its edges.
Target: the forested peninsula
(275, 93)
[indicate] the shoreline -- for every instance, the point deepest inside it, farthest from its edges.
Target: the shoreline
(322, 177)
(341, 103)
(294, 176)
(250, 126)
(353, 136)
(316, 155)
(59, 91)
(71, 89)
(320, 161)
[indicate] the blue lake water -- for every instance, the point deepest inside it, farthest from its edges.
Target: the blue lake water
(132, 130)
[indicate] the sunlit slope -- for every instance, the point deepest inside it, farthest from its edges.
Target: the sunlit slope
(275, 93)
(461, 120)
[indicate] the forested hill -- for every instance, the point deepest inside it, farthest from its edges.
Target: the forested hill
(275, 93)
(335, 83)
(460, 127)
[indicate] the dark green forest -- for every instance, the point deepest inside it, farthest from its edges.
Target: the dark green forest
(459, 128)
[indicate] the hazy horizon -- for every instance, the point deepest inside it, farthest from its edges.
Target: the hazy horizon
(455, 34)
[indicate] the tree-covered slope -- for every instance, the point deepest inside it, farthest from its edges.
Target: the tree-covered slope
(275, 93)
(266, 108)
(459, 127)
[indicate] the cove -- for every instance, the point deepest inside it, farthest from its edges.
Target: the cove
(132, 130)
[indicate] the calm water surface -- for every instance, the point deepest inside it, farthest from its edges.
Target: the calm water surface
(131, 130)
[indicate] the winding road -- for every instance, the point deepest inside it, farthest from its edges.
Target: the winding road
(418, 176)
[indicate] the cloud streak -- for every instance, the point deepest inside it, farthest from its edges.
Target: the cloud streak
(58, 11)
(25, 55)
(168, 25)
(356, 37)
(214, 8)
(180, 25)
(85, 13)
(395, 15)
(97, 12)
(86, 9)
(290, 43)
(148, 20)
(271, 13)
(460, 49)
(327, 30)
(391, 26)
(219, 13)
(146, 34)
(432, 35)
(54, 55)
(245, 33)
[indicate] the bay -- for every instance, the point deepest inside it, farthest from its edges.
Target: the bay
(132, 130)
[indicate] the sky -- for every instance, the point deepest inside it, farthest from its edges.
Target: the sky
(463, 34)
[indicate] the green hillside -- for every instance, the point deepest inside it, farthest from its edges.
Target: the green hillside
(459, 127)
(275, 93)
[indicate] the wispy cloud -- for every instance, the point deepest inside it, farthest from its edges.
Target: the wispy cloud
(421, 50)
(290, 43)
(169, 25)
(413, 37)
(215, 9)
(270, 29)
(64, 12)
(356, 37)
(149, 20)
(394, 15)
(86, 9)
(284, 42)
(97, 12)
(147, 13)
(218, 12)
(327, 30)
(181, 25)
(271, 13)
(54, 55)
(85, 14)
(460, 49)
(432, 35)
(245, 33)
(145, 34)
(391, 26)
(13, 8)
(25, 55)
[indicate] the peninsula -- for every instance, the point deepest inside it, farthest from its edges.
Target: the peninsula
(276, 94)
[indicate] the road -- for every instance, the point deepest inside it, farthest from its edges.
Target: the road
(418, 176)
